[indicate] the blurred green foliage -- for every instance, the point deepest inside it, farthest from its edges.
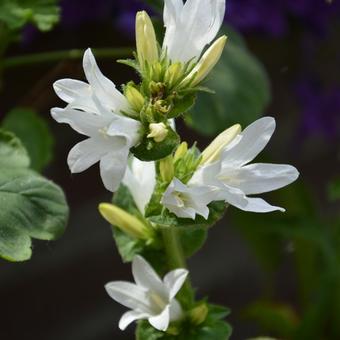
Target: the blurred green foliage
(34, 133)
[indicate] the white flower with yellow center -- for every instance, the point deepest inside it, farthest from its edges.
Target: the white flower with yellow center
(95, 110)
(226, 175)
(150, 298)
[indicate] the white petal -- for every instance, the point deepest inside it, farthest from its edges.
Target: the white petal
(174, 281)
(86, 123)
(129, 295)
(259, 205)
(145, 276)
(176, 312)
(206, 175)
(129, 317)
(113, 166)
(103, 87)
(260, 178)
(253, 140)
(69, 89)
(141, 182)
(127, 127)
(85, 154)
(161, 321)
(191, 27)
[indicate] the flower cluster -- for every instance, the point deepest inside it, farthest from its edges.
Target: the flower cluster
(132, 135)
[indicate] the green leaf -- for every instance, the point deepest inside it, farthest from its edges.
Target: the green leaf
(31, 206)
(213, 328)
(12, 152)
(149, 150)
(34, 134)
(242, 92)
(182, 105)
(42, 13)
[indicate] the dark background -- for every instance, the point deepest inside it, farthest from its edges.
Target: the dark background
(59, 293)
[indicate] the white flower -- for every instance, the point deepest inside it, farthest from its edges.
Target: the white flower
(190, 27)
(236, 179)
(150, 298)
(95, 110)
(186, 201)
(140, 179)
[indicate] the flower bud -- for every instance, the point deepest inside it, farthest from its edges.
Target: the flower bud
(134, 97)
(126, 222)
(147, 48)
(166, 169)
(158, 131)
(181, 151)
(199, 314)
(173, 74)
(213, 151)
(206, 63)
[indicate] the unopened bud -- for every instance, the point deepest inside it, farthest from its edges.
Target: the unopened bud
(206, 63)
(126, 222)
(213, 151)
(181, 151)
(166, 169)
(158, 131)
(134, 97)
(147, 48)
(199, 314)
(173, 74)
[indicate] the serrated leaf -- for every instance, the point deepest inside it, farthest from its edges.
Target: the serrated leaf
(42, 13)
(34, 133)
(242, 92)
(12, 152)
(31, 206)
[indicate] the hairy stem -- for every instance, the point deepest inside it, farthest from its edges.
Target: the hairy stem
(176, 259)
(48, 57)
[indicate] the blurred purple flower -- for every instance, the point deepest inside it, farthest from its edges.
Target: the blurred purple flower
(320, 110)
(273, 17)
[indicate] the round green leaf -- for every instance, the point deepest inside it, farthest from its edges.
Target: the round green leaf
(12, 152)
(31, 206)
(34, 133)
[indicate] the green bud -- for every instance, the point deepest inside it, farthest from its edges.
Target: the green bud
(157, 89)
(206, 63)
(126, 222)
(147, 47)
(173, 74)
(199, 314)
(166, 169)
(134, 97)
(181, 151)
(213, 151)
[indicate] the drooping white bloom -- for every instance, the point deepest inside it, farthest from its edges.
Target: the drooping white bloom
(190, 27)
(226, 175)
(186, 201)
(95, 110)
(140, 179)
(236, 179)
(150, 297)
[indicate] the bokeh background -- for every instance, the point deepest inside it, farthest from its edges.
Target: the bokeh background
(279, 273)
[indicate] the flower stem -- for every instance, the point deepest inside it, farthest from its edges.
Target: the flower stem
(48, 57)
(176, 259)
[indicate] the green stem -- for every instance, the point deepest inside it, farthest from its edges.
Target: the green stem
(49, 57)
(176, 259)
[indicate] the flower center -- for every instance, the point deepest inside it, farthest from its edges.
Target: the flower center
(157, 301)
